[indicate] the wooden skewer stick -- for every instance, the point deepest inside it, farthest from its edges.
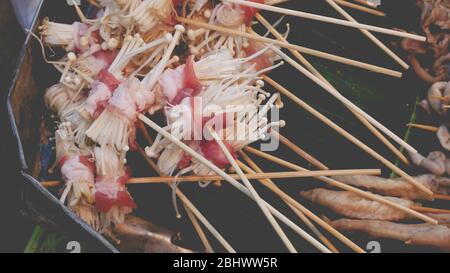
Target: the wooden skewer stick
(366, 3)
(360, 8)
(313, 70)
(233, 182)
(79, 12)
(199, 230)
(441, 197)
(275, 2)
(302, 49)
(425, 127)
(430, 210)
(271, 175)
(192, 208)
(369, 35)
(269, 183)
(298, 150)
(343, 186)
(307, 212)
(344, 100)
(192, 217)
(144, 132)
(327, 19)
(253, 192)
(347, 135)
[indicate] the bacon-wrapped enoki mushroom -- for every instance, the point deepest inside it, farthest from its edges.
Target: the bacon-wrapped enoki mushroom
(109, 80)
(112, 199)
(77, 36)
(354, 206)
(78, 170)
(115, 125)
(398, 187)
(231, 109)
(66, 103)
(77, 72)
(188, 79)
(227, 15)
(412, 234)
(150, 19)
(152, 15)
(226, 81)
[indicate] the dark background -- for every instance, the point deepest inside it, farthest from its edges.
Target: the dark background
(15, 229)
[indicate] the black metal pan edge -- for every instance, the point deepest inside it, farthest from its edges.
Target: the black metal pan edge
(60, 208)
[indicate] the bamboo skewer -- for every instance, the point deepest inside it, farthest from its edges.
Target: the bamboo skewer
(343, 186)
(205, 222)
(201, 234)
(304, 210)
(347, 135)
(313, 70)
(327, 19)
(344, 100)
(441, 197)
(365, 3)
(298, 150)
(430, 210)
(270, 175)
(255, 169)
(429, 128)
(233, 182)
(305, 50)
(253, 192)
(360, 8)
(275, 2)
(369, 35)
(144, 132)
(191, 207)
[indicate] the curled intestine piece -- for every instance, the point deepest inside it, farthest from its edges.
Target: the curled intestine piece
(441, 66)
(413, 46)
(444, 136)
(434, 162)
(435, 96)
(424, 74)
(425, 106)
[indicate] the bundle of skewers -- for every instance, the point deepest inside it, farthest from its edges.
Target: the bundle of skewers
(201, 66)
